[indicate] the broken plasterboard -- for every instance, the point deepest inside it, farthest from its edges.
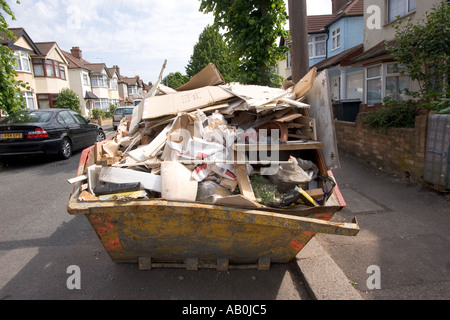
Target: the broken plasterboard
(183, 101)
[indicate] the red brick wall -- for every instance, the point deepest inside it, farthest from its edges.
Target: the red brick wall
(399, 151)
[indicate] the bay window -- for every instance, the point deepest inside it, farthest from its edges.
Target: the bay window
(49, 69)
(99, 81)
(132, 90)
(386, 81)
(102, 104)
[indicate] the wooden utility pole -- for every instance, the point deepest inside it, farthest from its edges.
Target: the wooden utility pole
(299, 39)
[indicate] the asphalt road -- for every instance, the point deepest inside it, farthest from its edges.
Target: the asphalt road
(39, 241)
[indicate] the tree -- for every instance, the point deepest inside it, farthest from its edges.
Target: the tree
(175, 80)
(252, 28)
(67, 99)
(424, 49)
(210, 47)
(11, 98)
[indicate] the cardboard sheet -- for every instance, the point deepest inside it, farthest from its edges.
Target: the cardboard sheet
(209, 76)
(184, 101)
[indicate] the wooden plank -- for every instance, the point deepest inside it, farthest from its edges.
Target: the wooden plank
(237, 201)
(305, 84)
(289, 117)
(244, 182)
(309, 127)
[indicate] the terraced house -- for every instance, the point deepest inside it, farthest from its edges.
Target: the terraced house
(47, 70)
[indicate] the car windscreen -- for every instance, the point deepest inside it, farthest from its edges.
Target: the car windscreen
(28, 117)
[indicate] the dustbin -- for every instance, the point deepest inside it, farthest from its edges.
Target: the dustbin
(346, 110)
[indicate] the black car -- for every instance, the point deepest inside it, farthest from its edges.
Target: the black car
(47, 132)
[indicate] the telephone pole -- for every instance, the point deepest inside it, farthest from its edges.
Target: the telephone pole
(299, 39)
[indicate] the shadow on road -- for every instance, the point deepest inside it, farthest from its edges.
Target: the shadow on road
(40, 272)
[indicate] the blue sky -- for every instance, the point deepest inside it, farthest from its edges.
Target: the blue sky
(136, 35)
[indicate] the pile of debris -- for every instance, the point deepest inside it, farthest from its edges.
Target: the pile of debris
(215, 143)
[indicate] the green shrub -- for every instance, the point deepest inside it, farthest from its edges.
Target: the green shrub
(395, 115)
(96, 113)
(68, 99)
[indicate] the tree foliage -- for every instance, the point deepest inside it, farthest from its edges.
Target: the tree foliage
(251, 28)
(68, 99)
(424, 48)
(11, 99)
(175, 80)
(211, 47)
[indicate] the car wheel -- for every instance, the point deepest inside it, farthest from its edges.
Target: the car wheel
(65, 152)
(100, 136)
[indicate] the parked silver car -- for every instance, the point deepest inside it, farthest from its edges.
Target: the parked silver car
(119, 113)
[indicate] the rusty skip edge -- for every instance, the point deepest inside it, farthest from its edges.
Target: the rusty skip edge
(249, 216)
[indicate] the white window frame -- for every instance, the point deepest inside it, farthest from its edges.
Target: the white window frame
(336, 38)
(20, 57)
(382, 77)
(313, 42)
(28, 96)
(132, 90)
(113, 84)
(99, 81)
(407, 6)
(85, 77)
(102, 104)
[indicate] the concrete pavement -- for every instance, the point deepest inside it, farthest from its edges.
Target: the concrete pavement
(402, 250)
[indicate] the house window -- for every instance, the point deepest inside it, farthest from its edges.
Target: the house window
(132, 90)
(396, 82)
(99, 81)
(62, 72)
(29, 100)
(400, 8)
(102, 104)
(317, 46)
(336, 39)
(49, 69)
(46, 101)
(85, 79)
(374, 85)
(385, 81)
(22, 61)
(113, 84)
(288, 60)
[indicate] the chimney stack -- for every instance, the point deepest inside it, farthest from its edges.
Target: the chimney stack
(338, 4)
(118, 69)
(76, 52)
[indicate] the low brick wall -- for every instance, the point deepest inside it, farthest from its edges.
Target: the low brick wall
(399, 151)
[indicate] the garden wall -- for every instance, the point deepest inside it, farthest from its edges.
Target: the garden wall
(399, 151)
